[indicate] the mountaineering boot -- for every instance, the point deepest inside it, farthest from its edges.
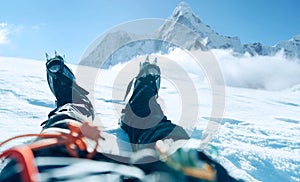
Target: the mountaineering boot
(142, 102)
(147, 68)
(63, 85)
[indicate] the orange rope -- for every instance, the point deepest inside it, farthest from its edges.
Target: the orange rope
(72, 141)
(31, 135)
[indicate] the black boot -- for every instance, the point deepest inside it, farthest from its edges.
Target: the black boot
(142, 102)
(63, 85)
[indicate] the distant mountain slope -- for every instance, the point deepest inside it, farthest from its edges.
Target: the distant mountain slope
(184, 29)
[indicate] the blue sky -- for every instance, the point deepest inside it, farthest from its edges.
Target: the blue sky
(30, 28)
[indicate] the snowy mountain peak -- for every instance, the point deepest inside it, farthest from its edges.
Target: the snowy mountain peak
(184, 29)
(296, 38)
(184, 11)
(291, 48)
(184, 15)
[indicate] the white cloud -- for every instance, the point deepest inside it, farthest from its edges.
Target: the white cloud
(18, 29)
(262, 72)
(4, 32)
(38, 26)
(258, 72)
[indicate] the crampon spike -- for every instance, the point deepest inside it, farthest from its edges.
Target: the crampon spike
(155, 60)
(47, 56)
(147, 59)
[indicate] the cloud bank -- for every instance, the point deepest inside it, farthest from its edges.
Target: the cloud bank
(256, 72)
(4, 32)
(259, 72)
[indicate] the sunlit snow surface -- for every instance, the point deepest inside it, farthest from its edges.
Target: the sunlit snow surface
(259, 137)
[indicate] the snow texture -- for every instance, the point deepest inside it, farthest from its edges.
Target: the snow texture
(259, 135)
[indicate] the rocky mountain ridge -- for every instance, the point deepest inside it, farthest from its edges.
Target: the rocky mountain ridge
(182, 29)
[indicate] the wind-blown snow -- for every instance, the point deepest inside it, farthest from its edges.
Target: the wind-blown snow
(259, 135)
(262, 72)
(257, 72)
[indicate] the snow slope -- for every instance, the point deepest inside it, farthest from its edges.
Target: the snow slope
(258, 139)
